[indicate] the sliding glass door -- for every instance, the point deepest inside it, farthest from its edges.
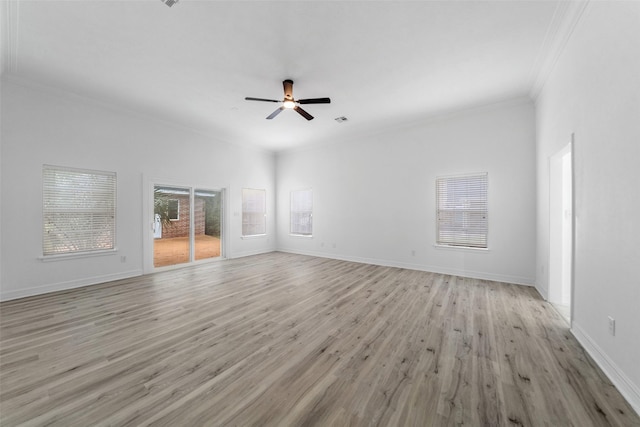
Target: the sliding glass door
(187, 225)
(208, 214)
(171, 225)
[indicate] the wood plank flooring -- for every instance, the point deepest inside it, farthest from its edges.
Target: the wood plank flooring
(282, 339)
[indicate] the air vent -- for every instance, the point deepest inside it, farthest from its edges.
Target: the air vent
(169, 2)
(341, 119)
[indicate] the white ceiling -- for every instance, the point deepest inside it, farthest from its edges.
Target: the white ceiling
(383, 63)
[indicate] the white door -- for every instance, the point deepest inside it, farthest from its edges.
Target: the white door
(561, 230)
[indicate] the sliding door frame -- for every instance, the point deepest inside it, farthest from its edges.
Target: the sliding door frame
(148, 186)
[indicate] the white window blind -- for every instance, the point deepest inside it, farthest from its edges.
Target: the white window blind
(79, 210)
(302, 212)
(462, 210)
(254, 212)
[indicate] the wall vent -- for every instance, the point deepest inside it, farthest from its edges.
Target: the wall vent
(341, 119)
(169, 2)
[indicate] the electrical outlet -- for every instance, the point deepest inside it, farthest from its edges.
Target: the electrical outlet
(612, 326)
(413, 252)
(123, 258)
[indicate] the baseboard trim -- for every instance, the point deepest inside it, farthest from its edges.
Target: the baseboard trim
(63, 286)
(626, 387)
(243, 254)
(518, 280)
(542, 292)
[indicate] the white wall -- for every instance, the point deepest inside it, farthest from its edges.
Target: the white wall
(374, 197)
(42, 126)
(594, 92)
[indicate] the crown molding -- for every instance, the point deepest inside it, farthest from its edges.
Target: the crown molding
(124, 108)
(361, 133)
(564, 21)
(9, 19)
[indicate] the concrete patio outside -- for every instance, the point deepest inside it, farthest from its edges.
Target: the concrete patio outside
(175, 250)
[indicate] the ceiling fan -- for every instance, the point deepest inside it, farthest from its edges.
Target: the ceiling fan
(290, 103)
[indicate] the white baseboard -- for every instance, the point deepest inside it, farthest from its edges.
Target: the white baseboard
(518, 280)
(542, 292)
(625, 386)
(243, 254)
(63, 286)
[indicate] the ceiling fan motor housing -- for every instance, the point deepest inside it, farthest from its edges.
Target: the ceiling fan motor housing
(288, 89)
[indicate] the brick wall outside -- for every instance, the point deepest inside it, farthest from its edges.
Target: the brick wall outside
(180, 228)
(198, 216)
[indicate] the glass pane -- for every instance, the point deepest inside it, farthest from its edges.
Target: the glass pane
(462, 210)
(254, 220)
(301, 215)
(171, 227)
(207, 214)
(78, 210)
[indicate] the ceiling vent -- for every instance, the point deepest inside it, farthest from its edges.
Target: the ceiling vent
(169, 2)
(341, 119)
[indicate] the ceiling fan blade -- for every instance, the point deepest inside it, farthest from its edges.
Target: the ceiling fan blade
(288, 89)
(303, 113)
(275, 113)
(314, 101)
(249, 98)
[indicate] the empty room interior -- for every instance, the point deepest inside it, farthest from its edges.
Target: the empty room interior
(320, 213)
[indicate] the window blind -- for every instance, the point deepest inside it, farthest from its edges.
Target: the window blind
(254, 214)
(79, 210)
(302, 212)
(462, 210)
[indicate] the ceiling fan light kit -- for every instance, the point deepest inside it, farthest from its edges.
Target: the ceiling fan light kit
(290, 103)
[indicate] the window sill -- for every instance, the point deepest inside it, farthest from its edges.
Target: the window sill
(305, 236)
(253, 236)
(461, 248)
(62, 257)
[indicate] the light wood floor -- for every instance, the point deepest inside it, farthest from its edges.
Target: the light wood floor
(282, 339)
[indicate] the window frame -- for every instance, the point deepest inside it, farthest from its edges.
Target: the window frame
(293, 214)
(177, 201)
(61, 200)
(245, 212)
(476, 217)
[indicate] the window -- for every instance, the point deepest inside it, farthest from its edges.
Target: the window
(302, 212)
(461, 204)
(254, 214)
(173, 209)
(79, 210)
